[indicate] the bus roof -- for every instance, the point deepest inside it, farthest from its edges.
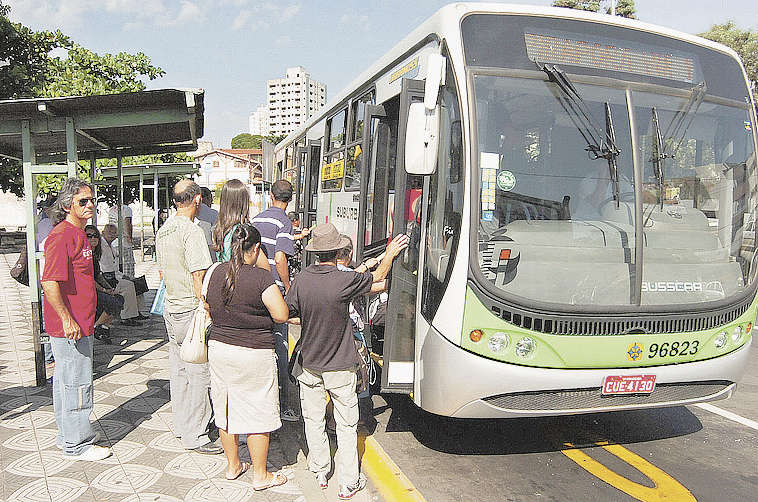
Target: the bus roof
(440, 22)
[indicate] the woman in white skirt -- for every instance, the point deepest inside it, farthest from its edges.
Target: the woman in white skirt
(244, 304)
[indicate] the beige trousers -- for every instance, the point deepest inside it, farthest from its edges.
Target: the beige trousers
(341, 386)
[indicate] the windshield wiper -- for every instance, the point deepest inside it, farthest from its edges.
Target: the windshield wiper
(676, 128)
(659, 155)
(599, 145)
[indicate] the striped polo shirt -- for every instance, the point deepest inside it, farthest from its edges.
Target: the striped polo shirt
(276, 235)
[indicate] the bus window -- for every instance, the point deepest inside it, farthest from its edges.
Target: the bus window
(336, 126)
(359, 111)
(354, 160)
(381, 176)
(333, 170)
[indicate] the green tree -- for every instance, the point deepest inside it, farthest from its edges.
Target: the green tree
(28, 70)
(624, 8)
(246, 140)
(743, 42)
(589, 5)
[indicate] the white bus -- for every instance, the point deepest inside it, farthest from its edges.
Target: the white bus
(576, 187)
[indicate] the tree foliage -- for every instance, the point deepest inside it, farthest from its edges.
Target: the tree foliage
(246, 140)
(624, 8)
(28, 70)
(588, 5)
(743, 42)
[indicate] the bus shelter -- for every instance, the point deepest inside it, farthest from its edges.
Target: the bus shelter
(149, 176)
(50, 135)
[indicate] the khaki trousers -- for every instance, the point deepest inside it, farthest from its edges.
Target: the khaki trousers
(341, 386)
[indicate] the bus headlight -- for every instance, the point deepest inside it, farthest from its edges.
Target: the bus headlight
(525, 347)
(720, 340)
(497, 342)
(736, 334)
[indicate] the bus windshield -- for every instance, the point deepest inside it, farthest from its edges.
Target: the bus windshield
(556, 219)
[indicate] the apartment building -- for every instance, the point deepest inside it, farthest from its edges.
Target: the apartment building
(290, 102)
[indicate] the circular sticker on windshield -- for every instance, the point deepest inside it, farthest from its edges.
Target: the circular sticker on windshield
(506, 181)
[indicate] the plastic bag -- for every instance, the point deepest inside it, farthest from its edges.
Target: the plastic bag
(160, 300)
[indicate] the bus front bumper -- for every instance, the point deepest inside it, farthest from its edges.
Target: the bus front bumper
(464, 385)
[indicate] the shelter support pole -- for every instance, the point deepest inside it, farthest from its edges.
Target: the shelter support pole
(157, 213)
(71, 147)
(93, 177)
(120, 203)
(141, 216)
(30, 192)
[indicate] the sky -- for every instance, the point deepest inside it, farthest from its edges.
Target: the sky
(230, 48)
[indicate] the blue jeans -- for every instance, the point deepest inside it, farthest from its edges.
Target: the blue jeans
(189, 385)
(72, 393)
(281, 348)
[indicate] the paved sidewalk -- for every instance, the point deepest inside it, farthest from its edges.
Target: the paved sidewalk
(132, 412)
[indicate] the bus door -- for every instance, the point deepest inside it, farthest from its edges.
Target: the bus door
(312, 168)
(400, 323)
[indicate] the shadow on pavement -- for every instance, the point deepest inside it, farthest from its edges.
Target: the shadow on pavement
(533, 435)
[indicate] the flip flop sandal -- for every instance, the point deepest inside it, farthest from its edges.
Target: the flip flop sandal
(245, 467)
(278, 480)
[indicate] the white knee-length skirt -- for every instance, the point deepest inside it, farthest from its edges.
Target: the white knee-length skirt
(244, 388)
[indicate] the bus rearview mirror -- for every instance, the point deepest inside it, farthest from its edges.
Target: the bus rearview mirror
(421, 139)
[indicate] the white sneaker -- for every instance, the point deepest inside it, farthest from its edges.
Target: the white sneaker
(347, 492)
(323, 483)
(290, 415)
(93, 454)
(95, 440)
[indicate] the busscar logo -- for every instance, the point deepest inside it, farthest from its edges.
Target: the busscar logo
(679, 286)
(634, 352)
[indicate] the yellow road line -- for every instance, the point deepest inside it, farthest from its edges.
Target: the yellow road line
(666, 488)
(393, 485)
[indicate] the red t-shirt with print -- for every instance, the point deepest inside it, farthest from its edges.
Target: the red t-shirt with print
(68, 260)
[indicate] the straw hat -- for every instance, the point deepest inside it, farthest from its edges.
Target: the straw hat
(326, 237)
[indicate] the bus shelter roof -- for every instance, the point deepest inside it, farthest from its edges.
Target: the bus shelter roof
(103, 126)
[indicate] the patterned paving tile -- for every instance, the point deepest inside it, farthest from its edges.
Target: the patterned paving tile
(132, 412)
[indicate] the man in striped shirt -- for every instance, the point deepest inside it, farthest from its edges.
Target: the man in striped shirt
(275, 228)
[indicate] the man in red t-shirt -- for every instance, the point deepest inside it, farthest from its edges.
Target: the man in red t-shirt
(69, 309)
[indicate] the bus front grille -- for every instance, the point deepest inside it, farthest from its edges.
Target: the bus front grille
(608, 325)
(591, 398)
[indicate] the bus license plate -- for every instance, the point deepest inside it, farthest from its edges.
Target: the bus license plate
(628, 384)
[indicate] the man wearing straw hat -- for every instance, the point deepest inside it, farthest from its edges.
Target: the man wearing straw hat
(320, 296)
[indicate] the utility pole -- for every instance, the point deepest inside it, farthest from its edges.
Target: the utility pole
(613, 7)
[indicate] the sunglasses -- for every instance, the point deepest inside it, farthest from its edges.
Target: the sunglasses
(86, 200)
(91, 236)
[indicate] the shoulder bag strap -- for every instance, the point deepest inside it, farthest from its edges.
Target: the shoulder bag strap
(207, 278)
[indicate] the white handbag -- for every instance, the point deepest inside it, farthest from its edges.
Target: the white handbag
(194, 347)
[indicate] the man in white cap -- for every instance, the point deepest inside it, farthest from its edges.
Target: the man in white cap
(320, 296)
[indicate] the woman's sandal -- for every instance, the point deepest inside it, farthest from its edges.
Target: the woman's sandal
(243, 470)
(278, 479)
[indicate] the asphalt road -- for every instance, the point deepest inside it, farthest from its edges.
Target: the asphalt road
(686, 453)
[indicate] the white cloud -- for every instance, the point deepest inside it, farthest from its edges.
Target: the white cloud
(283, 41)
(241, 20)
(289, 12)
(69, 15)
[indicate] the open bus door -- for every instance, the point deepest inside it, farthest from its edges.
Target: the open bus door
(310, 156)
(400, 323)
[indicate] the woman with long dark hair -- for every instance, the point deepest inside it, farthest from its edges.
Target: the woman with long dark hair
(244, 304)
(234, 209)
